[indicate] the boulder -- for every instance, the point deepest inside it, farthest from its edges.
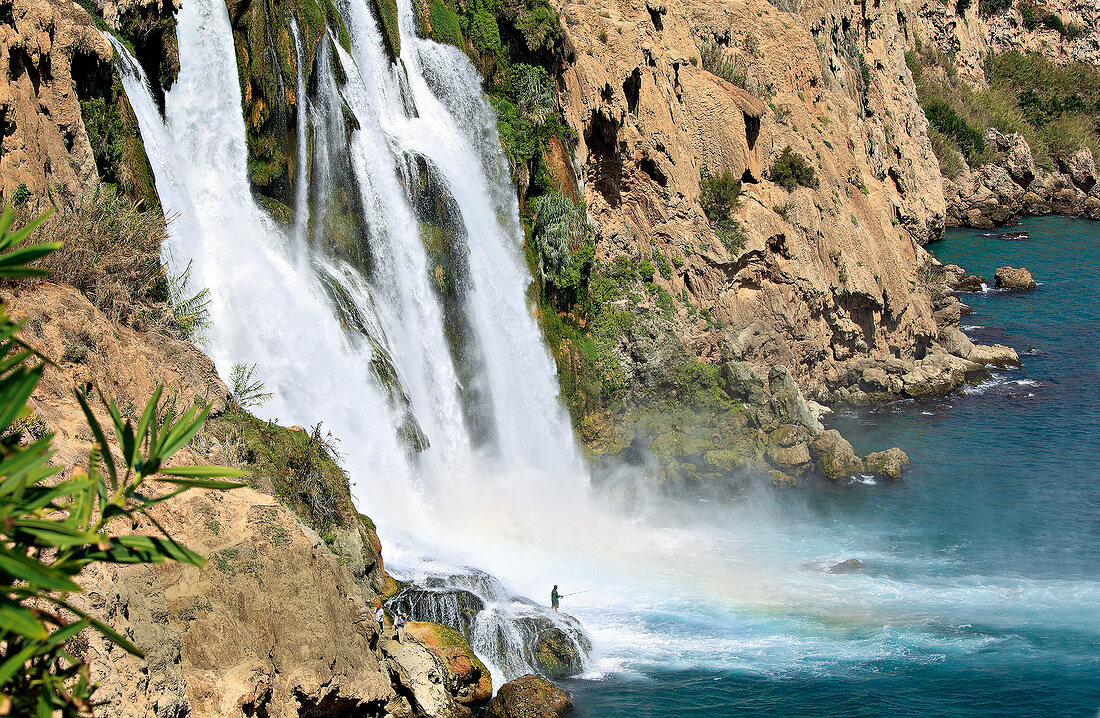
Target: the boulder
(850, 566)
(419, 674)
(529, 696)
(466, 678)
(834, 457)
(958, 279)
(559, 648)
(1013, 278)
(889, 464)
(996, 355)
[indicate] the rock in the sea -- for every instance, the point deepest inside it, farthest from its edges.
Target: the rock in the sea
(889, 464)
(834, 456)
(996, 355)
(529, 696)
(1013, 236)
(1013, 278)
(850, 566)
(958, 279)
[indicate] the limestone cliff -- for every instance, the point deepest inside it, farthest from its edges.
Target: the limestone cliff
(826, 276)
(1018, 174)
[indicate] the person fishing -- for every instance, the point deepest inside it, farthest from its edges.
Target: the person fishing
(554, 597)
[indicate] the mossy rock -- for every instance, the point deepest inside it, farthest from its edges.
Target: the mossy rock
(386, 12)
(467, 679)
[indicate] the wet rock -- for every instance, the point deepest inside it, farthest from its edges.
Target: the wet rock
(1014, 236)
(529, 696)
(780, 479)
(834, 457)
(1013, 278)
(890, 464)
(850, 566)
(556, 652)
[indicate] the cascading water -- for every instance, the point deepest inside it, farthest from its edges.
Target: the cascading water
(445, 400)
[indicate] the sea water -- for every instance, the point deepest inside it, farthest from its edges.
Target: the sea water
(980, 592)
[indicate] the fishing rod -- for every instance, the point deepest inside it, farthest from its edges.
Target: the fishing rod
(575, 593)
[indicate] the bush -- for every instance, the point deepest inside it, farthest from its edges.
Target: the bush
(718, 61)
(561, 240)
(484, 33)
(992, 7)
(947, 121)
(791, 170)
(111, 253)
(21, 194)
(719, 194)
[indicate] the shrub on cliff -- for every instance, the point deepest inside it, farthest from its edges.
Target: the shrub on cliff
(561, 239)
(791, 170)
(51, 529)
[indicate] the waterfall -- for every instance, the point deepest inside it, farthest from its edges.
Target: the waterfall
(301, 181)
(394, 308)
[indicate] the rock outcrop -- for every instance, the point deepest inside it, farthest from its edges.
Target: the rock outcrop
(834, 276)
(995, 193)
(51, 52)
(529, 696)
(1013, 278)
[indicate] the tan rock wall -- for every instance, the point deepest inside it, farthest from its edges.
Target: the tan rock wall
(46, 48)
(838, 278)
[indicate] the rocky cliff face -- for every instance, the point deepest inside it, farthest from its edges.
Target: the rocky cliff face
(1013, 181)
(50, 51)
(831, 281)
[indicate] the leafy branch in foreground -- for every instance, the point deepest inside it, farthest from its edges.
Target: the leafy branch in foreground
(50, 529)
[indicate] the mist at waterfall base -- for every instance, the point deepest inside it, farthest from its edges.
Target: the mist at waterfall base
(717, 609)
(980, 593)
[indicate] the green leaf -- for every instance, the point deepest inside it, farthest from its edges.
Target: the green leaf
(15, 389)
(18, 236)
(14, 617)
(26, 255)
(26, 569)
(63, 634)
(147, 415)
(97, 431)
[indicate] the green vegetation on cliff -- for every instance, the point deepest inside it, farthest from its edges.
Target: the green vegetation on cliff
(1053, 106)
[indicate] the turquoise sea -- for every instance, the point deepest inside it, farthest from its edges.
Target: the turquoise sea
(980, 593)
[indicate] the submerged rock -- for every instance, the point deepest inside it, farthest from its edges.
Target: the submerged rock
(1013, 278)
(850, 566)
(529, 696)
(890, 464)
